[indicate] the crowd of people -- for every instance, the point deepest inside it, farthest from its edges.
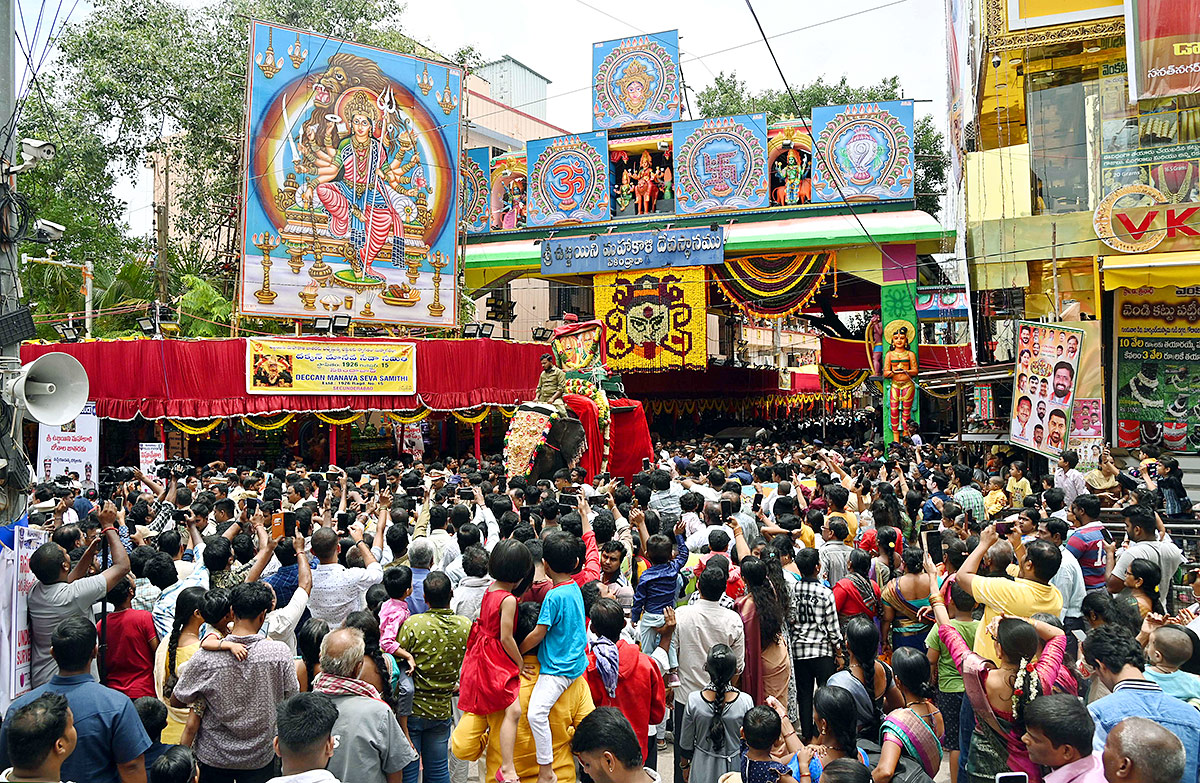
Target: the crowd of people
(768, 612)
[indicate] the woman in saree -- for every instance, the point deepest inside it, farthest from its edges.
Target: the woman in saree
(1000, 690)
(1102, 480)
(915, 730)
(856, 595)
(763, 608)
(906, 604)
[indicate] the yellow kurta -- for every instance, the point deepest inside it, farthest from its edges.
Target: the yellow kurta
(473, 735)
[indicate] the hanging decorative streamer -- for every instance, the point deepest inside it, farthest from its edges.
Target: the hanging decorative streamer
(467, 419)
(201, 430)
(947, 396)
(508, 414)
(270, 425)
(844, 379)
(769, 402)
(329, 419)
(411, 419)
(774, 286)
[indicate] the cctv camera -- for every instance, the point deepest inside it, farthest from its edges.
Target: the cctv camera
(45, 231)
(35, 149)
(996, 61)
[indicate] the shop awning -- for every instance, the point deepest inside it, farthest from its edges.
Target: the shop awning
(1158, 270)
(206, 379)
(485, 259)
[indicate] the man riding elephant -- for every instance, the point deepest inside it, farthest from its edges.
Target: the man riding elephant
(552, 385)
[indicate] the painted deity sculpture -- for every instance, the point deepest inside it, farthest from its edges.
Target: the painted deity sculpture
(646, 190)
(513, 208)
(796, 187)
(900, 367)
(624, 191)
(665, 177)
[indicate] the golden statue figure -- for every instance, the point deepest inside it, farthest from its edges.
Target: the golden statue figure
(900, 367)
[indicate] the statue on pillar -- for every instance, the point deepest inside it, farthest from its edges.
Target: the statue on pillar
(900, 367)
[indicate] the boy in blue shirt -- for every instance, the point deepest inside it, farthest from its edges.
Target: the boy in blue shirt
(561, 639)
(656, 590)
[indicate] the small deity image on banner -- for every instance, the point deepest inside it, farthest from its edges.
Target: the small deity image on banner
(655, 319)
(272, 371)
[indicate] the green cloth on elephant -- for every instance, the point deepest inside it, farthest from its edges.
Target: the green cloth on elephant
(552, 383)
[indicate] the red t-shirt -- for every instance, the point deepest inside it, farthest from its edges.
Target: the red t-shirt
(641, 694)
(129, 660)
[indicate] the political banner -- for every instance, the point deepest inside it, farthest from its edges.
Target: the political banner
(1157, 397)
(20, 641)
(674, 247)
(1045, 375)
(1161, 47)
(1087, 421)
(148, 454)
(314, 367)
(73, 447)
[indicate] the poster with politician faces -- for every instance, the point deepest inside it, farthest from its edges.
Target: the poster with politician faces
(1044, 386)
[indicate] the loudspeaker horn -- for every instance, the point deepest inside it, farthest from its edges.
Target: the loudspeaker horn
(51, 389)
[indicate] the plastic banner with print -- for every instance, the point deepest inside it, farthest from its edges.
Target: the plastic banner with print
(1162, 42)
(1157, 399)
(73, 447)
(1045, 375)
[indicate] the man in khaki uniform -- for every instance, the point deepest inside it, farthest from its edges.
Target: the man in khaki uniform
(552, 384)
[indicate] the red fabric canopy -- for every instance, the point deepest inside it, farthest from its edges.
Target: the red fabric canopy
(852, 355)
(589, 415)
(630, 438)
(206, 379)
(715, 381)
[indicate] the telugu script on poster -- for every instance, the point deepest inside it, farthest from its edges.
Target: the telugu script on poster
(1044, 394)
(1158, 368)
(73, 447)
(27, 540)
(311, 367)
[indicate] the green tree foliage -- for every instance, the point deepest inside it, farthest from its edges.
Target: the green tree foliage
(730, 95)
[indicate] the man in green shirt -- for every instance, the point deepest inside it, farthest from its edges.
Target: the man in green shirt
(437, 641)
(949, 680)
(552, 385)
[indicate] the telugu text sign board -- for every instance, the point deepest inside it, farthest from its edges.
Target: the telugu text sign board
(27, 540)
(1045, 375)
(72, 447)
(314, 367)
(150, 453)
(583, 255)
(1157, 398)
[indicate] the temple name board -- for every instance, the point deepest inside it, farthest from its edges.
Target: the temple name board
(582, 255)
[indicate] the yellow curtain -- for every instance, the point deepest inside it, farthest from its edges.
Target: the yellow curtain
(269, 426)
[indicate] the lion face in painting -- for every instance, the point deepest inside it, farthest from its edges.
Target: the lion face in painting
(343, 72)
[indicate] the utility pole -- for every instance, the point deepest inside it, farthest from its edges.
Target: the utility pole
(9, 282)
(162, 224)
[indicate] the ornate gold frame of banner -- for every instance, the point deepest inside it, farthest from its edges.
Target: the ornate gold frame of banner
(844, 380)
(774, 286)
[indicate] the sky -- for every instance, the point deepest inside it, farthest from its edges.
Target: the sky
(865, 40)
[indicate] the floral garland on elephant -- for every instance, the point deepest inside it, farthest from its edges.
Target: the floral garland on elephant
(596, 393)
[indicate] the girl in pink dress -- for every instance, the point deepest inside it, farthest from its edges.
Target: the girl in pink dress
(492, 664)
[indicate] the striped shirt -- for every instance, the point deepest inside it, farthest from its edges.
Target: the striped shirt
(1087, 544)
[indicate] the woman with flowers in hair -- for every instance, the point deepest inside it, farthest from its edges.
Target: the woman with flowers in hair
(1000, 690)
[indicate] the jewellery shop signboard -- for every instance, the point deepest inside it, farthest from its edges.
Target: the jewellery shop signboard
(1158, 367)
(585, 255)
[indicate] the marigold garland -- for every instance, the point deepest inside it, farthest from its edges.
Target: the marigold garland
(413, 419)
(330, 420)
(483, 414)
(201, 430)
(250, 420)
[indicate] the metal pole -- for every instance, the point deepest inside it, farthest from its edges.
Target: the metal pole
(89, 271)
(1054, 259)
(9, 282)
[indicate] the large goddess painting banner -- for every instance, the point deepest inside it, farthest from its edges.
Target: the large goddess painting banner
(352, 164)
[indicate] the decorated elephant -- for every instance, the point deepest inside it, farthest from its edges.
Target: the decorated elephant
(539, 443)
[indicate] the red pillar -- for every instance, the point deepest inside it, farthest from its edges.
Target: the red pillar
(478, 448)
(332, 444)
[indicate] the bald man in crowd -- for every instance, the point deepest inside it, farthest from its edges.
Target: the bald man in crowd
(1141, 751)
